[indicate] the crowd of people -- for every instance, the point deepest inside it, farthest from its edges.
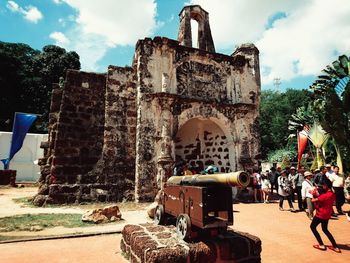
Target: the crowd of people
(291, 183)
(316, 192)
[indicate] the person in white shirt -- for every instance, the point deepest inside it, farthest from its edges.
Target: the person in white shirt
(329, 170)
(307, 188)
(285, 190)
(266, 187)
(338, 187)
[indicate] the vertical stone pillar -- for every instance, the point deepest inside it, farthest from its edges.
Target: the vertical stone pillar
(165, 160)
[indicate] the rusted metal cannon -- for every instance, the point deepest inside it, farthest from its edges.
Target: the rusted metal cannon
(200, 203)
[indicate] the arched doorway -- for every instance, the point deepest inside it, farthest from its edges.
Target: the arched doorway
(201, 142)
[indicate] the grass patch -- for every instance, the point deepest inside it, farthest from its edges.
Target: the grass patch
(24, 201)
(123, 206)
(37, 222)
(6, 238)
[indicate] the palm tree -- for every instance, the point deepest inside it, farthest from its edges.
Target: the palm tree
(332, 105)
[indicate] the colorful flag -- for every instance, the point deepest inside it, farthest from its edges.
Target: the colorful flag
(21, 125)
(302, 142)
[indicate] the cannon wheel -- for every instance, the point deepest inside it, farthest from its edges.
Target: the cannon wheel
(159, 215)
(183, 226)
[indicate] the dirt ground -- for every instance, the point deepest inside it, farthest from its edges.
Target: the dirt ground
(10, 208)
(286, 237)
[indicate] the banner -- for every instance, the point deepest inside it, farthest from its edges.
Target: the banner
(302, 142)
(21, 125)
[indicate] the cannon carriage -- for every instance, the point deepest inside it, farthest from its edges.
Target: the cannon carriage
(199, 203)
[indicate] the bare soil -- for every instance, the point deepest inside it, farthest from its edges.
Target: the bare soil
(131, 213)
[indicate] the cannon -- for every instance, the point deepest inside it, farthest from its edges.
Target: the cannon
(199, 203)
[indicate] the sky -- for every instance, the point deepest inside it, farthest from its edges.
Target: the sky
(296, 38)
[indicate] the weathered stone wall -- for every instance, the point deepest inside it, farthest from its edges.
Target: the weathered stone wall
(151, 243)
(117, 136)
(177, 84)
(76, 135)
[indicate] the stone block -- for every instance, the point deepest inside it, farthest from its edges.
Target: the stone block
(153, 243)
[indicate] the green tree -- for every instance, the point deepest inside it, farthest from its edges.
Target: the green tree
(332, 105)
(26, 78)
(16, 74)
(276, 109)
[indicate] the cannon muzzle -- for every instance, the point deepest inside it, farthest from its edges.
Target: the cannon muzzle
(239, 178)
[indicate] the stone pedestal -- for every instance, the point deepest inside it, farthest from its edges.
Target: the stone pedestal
(152, 243)
(8, 177)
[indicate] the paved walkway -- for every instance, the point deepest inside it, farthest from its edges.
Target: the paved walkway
(286, 236)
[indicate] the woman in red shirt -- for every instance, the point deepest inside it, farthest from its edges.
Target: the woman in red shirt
(324, 210)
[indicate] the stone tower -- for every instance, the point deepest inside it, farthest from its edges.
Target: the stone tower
(205, 40)
(116, 136)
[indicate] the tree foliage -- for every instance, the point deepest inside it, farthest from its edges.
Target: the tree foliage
(332, 104)
(26, 78)
(276, 109)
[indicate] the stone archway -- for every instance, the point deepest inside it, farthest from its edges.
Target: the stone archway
(201, 142)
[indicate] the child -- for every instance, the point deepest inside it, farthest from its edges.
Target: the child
(266, 188)
(324, 209)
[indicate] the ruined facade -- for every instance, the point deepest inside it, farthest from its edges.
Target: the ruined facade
(116, 136)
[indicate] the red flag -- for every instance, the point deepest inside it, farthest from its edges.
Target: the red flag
(302, 142)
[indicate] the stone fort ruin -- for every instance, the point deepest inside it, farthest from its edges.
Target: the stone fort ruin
(116, 136)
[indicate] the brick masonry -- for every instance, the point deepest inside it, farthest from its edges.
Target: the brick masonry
(152, 243)
(116, 136)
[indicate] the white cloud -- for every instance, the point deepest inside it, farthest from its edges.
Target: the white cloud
(107, 23)
(300, 44)
(30, 13)
(60, 38)
(13, 6)
(33, 14)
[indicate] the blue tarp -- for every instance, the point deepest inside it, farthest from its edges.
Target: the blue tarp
(21, 125)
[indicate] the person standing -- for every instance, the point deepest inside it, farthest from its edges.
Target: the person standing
(347, 193)
(298, 187)
(265, 187)
(338, 187)
(329, 171)
(285, 190)
(257, 185)
(320, 177)
(292, 177)
(274, 174)
(324, 204)
(306, 194)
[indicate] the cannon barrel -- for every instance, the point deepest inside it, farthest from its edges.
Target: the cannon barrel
(239, 178)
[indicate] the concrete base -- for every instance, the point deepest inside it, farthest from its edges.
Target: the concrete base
(152, 243)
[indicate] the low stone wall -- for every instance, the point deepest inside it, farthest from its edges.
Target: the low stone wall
(152, 243)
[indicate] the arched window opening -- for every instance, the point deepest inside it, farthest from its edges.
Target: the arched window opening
(194, 32)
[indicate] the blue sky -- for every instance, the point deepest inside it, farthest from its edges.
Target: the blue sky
(296, 38)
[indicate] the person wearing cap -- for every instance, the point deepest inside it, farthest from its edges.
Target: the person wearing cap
(285, 190)
(329, 170)
(324, 209)
(211, 169)
(306, 194)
